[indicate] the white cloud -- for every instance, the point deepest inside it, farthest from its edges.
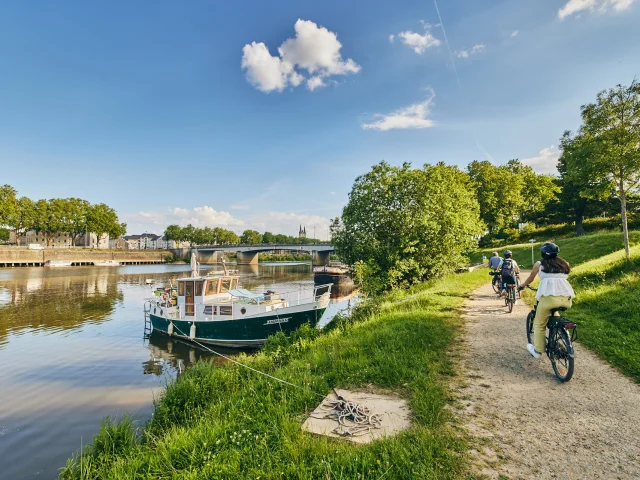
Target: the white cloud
(314, 49)
(419, 43)
(545, 162)
(205, 216)
(476, 49)
(515, 33)
(392, 37)
(573, 7)
(414, 116)
(315, 82)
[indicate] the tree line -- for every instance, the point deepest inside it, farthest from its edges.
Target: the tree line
(72, 216)
(402, 225)
(222, 236)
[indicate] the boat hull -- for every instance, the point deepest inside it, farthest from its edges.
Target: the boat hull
(241, 333)
(335, 279)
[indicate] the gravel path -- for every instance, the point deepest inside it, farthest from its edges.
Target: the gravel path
(527, 424)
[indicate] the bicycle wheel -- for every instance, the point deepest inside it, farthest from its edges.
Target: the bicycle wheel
(510, 305)
(530, 318)
(496, 285)
(562, 355)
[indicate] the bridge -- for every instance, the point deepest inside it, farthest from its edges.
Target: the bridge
(248, 254)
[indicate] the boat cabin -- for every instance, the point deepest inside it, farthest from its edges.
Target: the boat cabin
(217, 297)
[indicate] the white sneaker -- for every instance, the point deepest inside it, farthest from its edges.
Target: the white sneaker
(532, 351)
(503, 293)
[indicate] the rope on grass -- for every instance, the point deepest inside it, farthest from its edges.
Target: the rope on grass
(354, 420)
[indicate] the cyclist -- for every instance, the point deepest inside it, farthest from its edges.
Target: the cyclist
(494, 264)
(509, 270)
(554, 292)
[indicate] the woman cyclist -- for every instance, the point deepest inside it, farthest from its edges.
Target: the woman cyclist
(554, 292)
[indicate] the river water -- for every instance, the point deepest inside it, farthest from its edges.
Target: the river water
(73, 351)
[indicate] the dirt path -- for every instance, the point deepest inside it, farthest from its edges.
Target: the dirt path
(527, 424)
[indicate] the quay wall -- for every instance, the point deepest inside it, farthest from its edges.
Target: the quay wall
(23, 257)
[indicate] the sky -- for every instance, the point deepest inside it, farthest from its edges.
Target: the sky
(262, 114)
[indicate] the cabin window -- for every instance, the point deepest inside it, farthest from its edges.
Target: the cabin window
(225, 310)
(226, 285)
(199, 289)
(210, 310)
(212, 287)
(181, 289)
(234, 284)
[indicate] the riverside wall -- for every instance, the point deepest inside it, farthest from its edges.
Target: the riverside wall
(23, 257)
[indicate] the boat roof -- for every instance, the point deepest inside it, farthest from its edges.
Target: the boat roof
(213, 276)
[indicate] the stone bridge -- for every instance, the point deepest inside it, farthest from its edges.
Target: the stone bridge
(248, 254)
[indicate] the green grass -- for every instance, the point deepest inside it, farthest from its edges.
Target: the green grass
(607, 309)
(291, 257)
(576, 250)
(222, 421)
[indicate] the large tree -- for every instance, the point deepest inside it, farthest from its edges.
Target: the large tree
(102, 219)
(21, 217)
(610, 139)
(7, 203)
(173, 232)
(251, 237)
(48, 214)
(402, 225)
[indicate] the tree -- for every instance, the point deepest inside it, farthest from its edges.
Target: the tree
(74, 214)
(7, 202)
(173, 232)
(103, 220)
(47, 219)
(268, 237)
(188, 233)
(611, 132)
(251, 237)
(22, 217)
(4, 234)
(537, 190)
(402, 225)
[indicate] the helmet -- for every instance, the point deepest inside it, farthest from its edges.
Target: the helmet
(507, 253)
(549, 250)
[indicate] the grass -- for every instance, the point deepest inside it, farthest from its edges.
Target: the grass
(222, 421)
(291, 257)
(607, 309)
(576, 250)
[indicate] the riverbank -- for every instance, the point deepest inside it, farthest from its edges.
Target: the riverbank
(228, 422)
(24, 257)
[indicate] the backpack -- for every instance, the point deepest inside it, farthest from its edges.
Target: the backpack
(508, 269)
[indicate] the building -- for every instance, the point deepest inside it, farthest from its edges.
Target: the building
(303, 232)
(150, 241)
(62, 240)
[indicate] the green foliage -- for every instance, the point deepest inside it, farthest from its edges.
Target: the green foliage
(4, 234)
(7, 203)
(509, 193)
(403, 225)
(251, 237)
(287, 257)
(222, 421)
(605, 155)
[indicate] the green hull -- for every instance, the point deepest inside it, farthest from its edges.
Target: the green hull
(241, 333)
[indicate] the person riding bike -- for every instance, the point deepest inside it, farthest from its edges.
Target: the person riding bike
(509, 270)
(554, 292)
(494, 264)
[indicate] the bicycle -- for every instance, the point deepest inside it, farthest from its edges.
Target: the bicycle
(512, 291)
(559, 335)
(495, 283)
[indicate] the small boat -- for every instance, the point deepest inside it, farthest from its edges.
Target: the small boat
(336, 274)
(106, 263)
(214, 310)
(58, 263)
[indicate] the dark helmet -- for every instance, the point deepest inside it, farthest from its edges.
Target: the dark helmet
(549, 250)
(507, 254)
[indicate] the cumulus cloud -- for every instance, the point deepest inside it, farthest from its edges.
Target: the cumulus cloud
(545, 162)
(414, 116)
(419, 43)
(392, 37)
(476, 49)
(205, 216)
(314, 50)
(574, 7)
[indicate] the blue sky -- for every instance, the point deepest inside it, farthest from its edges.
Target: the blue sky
(188, 112)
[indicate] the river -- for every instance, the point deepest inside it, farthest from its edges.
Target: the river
(73, 351)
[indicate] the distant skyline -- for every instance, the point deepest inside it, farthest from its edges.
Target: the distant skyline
(261, 115)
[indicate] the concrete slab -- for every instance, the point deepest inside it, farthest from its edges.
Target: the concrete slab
(394, 415)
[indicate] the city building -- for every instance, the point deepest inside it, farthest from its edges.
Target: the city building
(62, 240)
(303, 232)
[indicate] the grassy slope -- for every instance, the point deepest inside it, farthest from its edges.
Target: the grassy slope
(226, 422)
(575, 250)
(607, 308)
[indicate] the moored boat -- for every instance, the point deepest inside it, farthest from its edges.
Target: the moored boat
(58, 263)
(336, 274)
(106, 263)
(214, 310)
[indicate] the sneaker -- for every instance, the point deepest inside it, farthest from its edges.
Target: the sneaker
(532, 351)
(503, 293)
